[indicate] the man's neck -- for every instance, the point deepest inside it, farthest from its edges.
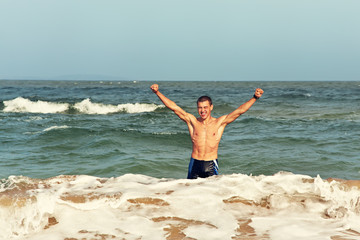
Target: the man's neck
(206, 120)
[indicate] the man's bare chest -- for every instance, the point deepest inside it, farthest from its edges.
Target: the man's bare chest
(206, 132)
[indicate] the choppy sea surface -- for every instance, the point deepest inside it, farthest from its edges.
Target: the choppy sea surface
(106, 160)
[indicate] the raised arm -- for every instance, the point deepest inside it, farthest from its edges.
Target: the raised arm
(170, 104)
(243, 108)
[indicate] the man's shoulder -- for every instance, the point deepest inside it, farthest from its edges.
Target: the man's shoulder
(219, 119)
(191, 117)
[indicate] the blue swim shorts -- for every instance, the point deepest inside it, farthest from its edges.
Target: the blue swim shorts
(202, 169)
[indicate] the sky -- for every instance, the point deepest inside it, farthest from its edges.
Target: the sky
(245, 40)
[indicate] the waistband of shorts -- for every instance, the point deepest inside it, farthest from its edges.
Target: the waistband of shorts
(203, 160)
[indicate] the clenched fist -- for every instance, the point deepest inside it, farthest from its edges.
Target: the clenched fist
(258, 93)
(154, 88)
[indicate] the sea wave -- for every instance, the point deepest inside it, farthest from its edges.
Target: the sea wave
(24, 105)
(282, 206)
(86, 106)
(54, 128)
(20, 104)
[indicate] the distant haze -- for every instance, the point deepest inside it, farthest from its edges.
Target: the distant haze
(180, 40)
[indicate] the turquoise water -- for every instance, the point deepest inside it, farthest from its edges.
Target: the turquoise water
(107, 129)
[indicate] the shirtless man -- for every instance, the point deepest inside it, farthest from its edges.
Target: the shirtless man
(205, 131)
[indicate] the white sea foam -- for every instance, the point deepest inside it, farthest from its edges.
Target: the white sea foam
(283, 206)
(20, 104)
(55, 127)
(85, 107)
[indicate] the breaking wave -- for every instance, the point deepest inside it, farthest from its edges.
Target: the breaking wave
(283, 206)
(23, 105)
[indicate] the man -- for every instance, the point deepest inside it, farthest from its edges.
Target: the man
(205, 131)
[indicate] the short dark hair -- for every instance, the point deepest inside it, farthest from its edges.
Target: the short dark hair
(203, 99)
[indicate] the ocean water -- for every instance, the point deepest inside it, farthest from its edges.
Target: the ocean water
(106, 160)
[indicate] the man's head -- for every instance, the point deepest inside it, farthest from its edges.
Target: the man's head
(204, 105)
(203, 99)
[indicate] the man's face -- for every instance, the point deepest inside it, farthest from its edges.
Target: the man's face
(204, 109)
